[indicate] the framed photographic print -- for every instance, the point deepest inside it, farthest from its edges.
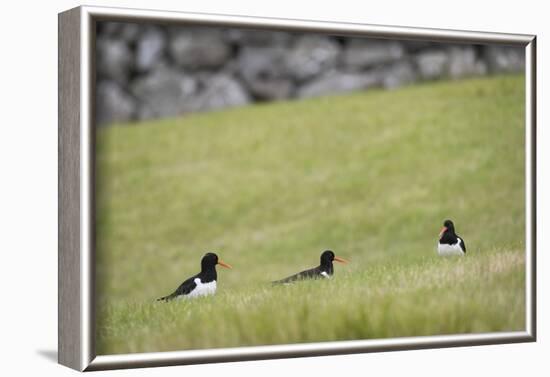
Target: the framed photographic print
(237, 188)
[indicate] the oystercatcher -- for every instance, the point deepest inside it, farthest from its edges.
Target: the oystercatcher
(203, 283)
(449, 242)
(324, 270)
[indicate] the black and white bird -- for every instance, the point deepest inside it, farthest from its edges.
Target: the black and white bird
(449, 242)
(323, 271)
(203, 283)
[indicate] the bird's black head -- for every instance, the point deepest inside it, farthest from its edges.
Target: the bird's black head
(448, 228)
(449, 225)
(210, 260)
(328, 256)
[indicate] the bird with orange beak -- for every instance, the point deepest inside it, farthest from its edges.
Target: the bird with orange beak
(449, 242)
(201, 284)
(324, 271)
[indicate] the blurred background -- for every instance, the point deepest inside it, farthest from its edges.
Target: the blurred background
(147, 71)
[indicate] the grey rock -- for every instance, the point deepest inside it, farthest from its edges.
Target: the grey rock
(364, 53)
(463, 62)
(127, 32)
(149, 48)
(416, 46)
(271, 89)
(110, 29)
(505, 59)
(144, 112)
(253, 37)
(264, 72)
(199, 49)
(397, 74)
(311, 55)
(432, 64)
(481, 68)
(165, 92)
(336, 82)
(114, 105)
(220, 91)
(114, 60)
(262, 62)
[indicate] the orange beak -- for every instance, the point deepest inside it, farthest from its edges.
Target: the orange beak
(223, 264)
(442, 231)
(341, 260)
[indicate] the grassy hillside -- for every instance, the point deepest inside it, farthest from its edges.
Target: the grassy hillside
(370, 175)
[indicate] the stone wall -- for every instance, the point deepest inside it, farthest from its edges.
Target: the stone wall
(147, 71)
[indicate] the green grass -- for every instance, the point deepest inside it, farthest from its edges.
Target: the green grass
(370, 175)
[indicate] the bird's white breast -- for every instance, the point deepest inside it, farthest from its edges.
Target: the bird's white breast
(325, 274)
(446, 249)
(202, 289)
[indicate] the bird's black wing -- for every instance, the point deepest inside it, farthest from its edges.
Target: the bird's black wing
(312, 273)
(185, 288)
(462, 244)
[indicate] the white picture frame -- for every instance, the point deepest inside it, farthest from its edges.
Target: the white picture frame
(76, 194)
